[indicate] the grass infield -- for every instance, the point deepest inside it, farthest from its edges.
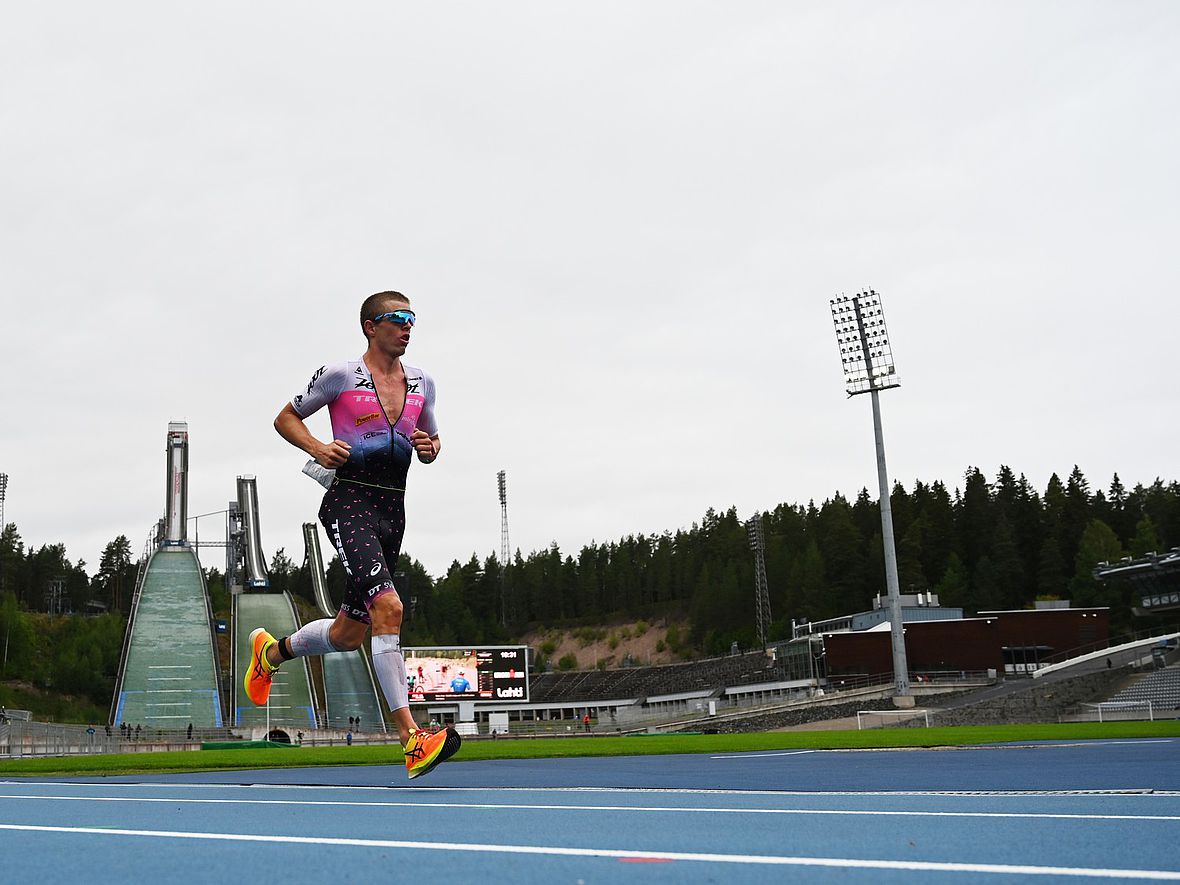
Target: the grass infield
(877, 738)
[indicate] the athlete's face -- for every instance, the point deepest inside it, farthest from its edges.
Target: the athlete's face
(390, 336)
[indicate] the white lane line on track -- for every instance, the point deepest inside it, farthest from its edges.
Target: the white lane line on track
(559, 851)
(765, 755)
(1143, 741)
(663, 809)
(1144, 792)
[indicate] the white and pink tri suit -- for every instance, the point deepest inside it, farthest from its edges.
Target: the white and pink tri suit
(381, 454)
(364, 507)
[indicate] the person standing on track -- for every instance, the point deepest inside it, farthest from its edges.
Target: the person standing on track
(382, 413)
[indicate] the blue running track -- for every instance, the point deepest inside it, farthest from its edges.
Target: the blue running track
(1096, 811)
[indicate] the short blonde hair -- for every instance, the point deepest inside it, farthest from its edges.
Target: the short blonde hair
(377, 304)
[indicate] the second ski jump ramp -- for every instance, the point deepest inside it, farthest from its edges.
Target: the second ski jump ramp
(348, 683)
(290, 695)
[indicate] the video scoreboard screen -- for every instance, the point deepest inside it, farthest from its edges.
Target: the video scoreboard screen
(454, 673)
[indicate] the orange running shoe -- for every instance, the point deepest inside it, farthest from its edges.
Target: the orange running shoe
(260, 672)
(425, 751)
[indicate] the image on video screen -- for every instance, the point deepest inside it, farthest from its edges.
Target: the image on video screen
(466, 674)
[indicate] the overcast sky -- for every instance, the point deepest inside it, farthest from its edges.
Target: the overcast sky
(620, 225)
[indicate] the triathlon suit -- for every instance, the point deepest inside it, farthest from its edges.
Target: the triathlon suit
(364, 508)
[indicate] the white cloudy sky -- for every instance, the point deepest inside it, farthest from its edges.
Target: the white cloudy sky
(620, 224)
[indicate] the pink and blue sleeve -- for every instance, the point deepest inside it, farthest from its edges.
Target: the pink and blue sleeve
(327, 383)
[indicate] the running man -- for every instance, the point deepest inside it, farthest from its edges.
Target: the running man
(382, 413)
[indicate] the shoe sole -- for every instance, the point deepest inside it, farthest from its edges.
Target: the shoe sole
(246, 683)
(450, 748)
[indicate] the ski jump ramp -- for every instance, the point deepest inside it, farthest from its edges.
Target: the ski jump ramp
(169, 674)
(290, 704)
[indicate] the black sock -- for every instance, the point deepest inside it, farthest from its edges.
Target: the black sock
(285, 649)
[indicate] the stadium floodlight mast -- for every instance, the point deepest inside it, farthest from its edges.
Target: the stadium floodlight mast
(868, 368)
(3, 494)
(757, 536)
(502, 483)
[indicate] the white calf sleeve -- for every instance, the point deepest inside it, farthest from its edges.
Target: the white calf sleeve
(391, 669)
(312, 639)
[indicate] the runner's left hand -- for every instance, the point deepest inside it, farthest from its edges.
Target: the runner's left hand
(424, 446)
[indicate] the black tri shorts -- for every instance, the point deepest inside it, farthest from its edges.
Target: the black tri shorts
(365, 524)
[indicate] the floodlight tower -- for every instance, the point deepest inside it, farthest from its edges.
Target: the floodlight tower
(868, 368)
(503, 485)
(3, 493)
(761, 591)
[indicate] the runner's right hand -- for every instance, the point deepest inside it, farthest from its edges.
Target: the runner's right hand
(333, 455)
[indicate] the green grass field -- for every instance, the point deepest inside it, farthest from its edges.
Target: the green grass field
(229, 760)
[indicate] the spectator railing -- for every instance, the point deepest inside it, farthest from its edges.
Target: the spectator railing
(140, 576)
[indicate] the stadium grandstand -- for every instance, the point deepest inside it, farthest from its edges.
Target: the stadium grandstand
(1154, 578)
(1160, 687)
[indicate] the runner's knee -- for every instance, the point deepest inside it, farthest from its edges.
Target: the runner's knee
(386, 610)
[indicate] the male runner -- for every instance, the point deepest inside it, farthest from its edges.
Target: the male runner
(382, 413)
(460, 683)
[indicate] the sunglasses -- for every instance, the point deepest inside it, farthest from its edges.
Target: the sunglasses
(400, 317)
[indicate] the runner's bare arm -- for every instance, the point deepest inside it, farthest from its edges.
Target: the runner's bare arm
(291, 428)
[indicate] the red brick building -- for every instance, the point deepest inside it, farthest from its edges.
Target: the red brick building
(1006, 641)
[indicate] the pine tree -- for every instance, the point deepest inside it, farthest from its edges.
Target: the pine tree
(11, 559)
(938, 538)
(811, 585)
(1051, 576)
(1146, 540)
(842, 548)
(953, 589)
(1076, 514)
(975, 518)
(1009, 569)
(986, 593)
(282, 572)
(1098, 544)
(116, 573)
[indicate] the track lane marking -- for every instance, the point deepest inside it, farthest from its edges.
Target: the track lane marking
(559, 851)
(1146, 792)
(669, 809)
(766, 755)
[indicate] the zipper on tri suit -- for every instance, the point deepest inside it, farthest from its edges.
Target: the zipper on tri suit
(384, 414)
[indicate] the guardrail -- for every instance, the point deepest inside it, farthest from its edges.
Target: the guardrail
(26, 739)
(1131, 636)
(140, 576)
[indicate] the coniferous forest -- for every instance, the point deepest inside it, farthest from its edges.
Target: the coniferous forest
(993, 543)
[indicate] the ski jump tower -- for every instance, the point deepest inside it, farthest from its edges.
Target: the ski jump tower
(176, 499)
(245, 564)
(170, 609)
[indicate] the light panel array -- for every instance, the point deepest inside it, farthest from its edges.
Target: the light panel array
(864, 343)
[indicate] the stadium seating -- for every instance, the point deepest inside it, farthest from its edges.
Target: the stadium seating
(634, 682)
(1161, 687)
